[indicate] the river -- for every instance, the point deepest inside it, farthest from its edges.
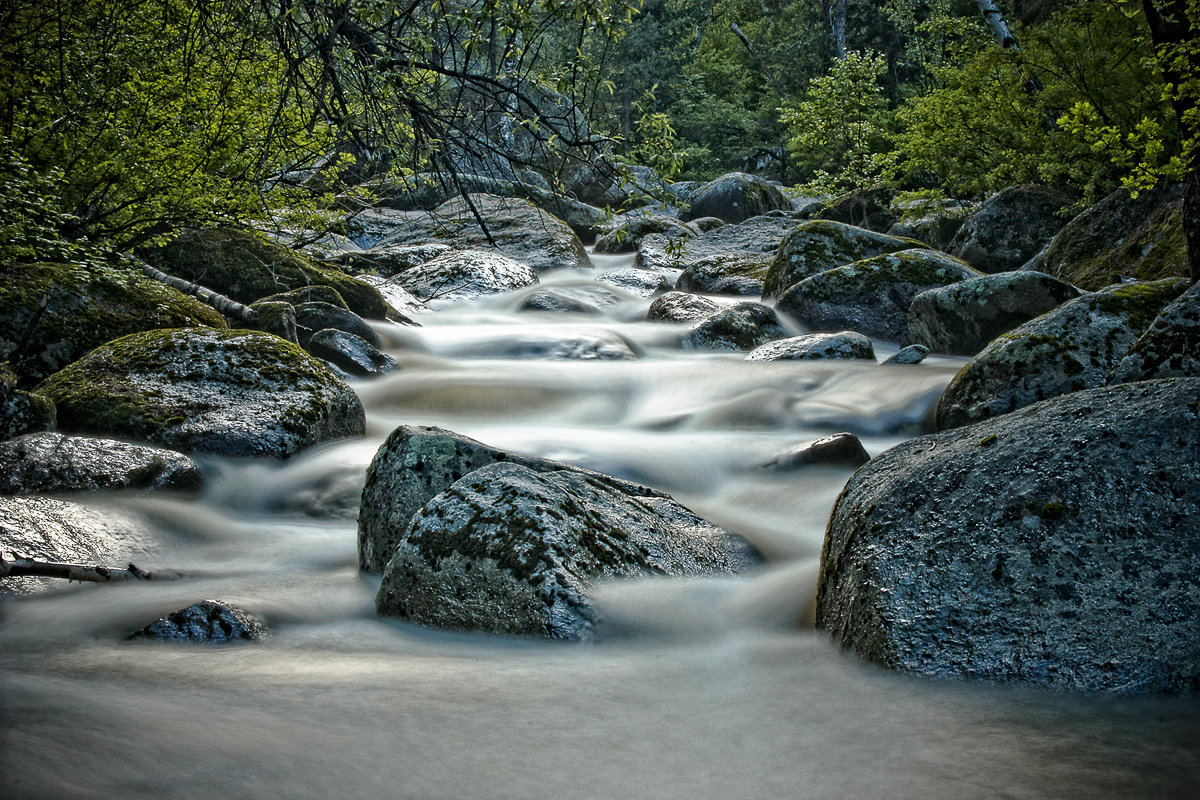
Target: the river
(712, 688)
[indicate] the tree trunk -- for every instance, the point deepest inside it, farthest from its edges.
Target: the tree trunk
(994, 19)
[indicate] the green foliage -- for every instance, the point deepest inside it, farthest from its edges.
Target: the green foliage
(33, 228)
(839, 132)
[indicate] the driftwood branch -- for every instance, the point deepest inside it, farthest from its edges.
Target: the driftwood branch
(230, 308)
(28, 567)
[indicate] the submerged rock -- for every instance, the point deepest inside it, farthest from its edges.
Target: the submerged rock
(1071, 348)
(744, 326)
(1170, 348)
(1010, 228)
(512, 551)
(818, 245)
(734, 197)
(845, 344)
(553, 302)
(236, 393)
(1055, 545)
(49, 463)
(205, 622)
(465, 275)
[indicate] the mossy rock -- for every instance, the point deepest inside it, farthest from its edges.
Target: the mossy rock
(734, 197)
(738, 274)
(248, 267)
(625, 237)
(818, 245)
(231, 392)
(1071, 348)
(1170, 348)
(86, 306)
(308, 294)
(1011, 227)
(871, 296)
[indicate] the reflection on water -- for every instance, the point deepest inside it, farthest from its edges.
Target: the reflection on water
(712, 688)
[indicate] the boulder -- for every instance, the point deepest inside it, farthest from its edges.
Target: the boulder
(247, 267)
(1071, 348)
(962, 318)
(515, 227)
(405, 305)
(753, 241)
(51, 463)
(934, 222)
(1010, 228)
(70, 533)
(1170, 348)
(835, 450)
(465, 275)
(388, 260)
(738, 275)
(277, 318)
(625, 237)
(86, 306)
(873, 295)
(313, 317)
(235, 393)
(417, 463)
(205, 622)
(308, 294)
(21, 411)
(510, 550)
(1121, 238)
(552, 302)
(639, 282)
(744, 326)
(1055, 545)
(912, 354)
(351, 354)
(680, 307)
(818, 245)
(812, 346)
(734, 197)
(866, 209)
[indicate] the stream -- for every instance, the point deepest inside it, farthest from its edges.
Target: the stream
(698, 688)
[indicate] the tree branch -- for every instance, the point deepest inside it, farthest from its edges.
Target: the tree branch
(28, 567)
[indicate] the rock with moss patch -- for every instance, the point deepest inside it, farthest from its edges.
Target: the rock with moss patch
(744, 326)
(1120, 238)
(815, 346)
(625, 237)
(871, 296)
(835, 450)
(309, 294)
(237, 393)
(1066, 350)
(205, 622)
(388, 260)
(818, 245)
(737, 275)
(1170, 348)
(734, 197)
(49, 463)
(465, 275)
(962, 318)
(1010, 228)
(680, 307)
(509, 550)
(59, 531)
(20, 411)
(1055, 545)
(86, 306)
(248, 267)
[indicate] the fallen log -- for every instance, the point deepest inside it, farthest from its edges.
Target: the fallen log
(29, 567)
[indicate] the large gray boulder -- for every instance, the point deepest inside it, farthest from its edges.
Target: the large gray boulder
(1056, 545)
(628, 234)
(1010, 228)
(818, 245)
(734, 197)
(510, 550)
(962, 318)
(1071, 348)
(744, 326)
(871, 296)
(50, 463)
(55, 530)
(236, 393)
(465, 275)
(1170, 348)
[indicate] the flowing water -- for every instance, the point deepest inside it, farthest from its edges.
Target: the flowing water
(713, 688)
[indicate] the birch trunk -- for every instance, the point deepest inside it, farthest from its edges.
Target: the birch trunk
(994, 19)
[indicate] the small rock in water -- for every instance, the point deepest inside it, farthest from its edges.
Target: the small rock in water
(813, 346)
(209, 622)
(741, 327)
(641, 282)
(349, 353)
(913, 354)
(553, 302)
(838, 450)
(680, 307)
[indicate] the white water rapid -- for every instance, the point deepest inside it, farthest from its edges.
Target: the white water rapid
(714, 688)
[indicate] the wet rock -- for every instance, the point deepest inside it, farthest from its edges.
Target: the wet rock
(873, 295)
(680, 307)
(247, 267)
(752, 242)
(236, 393)
(740, 276)
(962, 318)
(836, 450)
(388, 260)
(313, 317)
(866, 209)
(63, 532)
(913, 354)
(1010, 228)
(818, 245)
(415, 464)
(466, 274)
(1055, 545)
(625, 237)
(744, 326)
(1121, 238)
(553, 302)
(639, 282)
(86, 306)
(812, 346)
(51, 463)
(933, 222)
(734, 197)
(1071, 348)
(21, 411)
(1171, 346)
(403, 305)
(351, 354)
(309, 294)
(599, 345)
(276, 318)
(512, 551)
(205, 622)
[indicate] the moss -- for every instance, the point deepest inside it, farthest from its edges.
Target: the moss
(309, 294)
(1140, 302)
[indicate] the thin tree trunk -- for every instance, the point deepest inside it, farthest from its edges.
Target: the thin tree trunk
(230, 308)
(835, 15)
(733, 26)
(994, 19)
(29, 567)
